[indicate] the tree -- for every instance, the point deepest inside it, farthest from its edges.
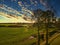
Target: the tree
(49, 15)
(37, 14)
(43, 17)
(58, 24)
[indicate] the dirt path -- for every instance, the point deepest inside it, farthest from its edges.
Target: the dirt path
(52, 38)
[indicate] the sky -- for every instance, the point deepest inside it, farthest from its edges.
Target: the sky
(30, 5)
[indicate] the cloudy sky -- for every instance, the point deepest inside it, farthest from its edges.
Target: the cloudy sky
(29, 5)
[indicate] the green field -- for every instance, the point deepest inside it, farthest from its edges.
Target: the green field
(20, 35)
(16, 36)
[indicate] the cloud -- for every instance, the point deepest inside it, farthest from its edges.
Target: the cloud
(5, 19)
(34, 2)
(13, 0)
(23, 8)
(20, 3)
(44, 2)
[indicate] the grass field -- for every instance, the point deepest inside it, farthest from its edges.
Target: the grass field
(16, 36)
